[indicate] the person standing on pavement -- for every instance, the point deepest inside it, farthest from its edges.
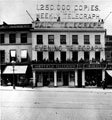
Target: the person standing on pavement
(104, 84)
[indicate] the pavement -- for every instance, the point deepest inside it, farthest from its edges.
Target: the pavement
(56, 89)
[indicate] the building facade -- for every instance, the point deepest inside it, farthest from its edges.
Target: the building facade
(72, 54)
(15, 45)
(68, 53)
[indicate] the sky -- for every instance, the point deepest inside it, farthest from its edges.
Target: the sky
(14, 11)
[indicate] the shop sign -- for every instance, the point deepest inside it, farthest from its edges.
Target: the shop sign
(68, 48)
(37, 24)
(68, 11)
(90, 48)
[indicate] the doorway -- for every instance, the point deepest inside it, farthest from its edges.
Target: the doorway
(65, 79)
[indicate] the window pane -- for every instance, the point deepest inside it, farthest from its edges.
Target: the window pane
(12, 38)
(62, 39)
(39, 39)
(86, 56)
(1, 38)
(51, 56)
(97, 56)
(2, 56)
(75, 56)
(86, 39)
(74, 39)
(39, 56)
(50, 39)
(24, 38)
(97, 39)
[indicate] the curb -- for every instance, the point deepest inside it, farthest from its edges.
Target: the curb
(47, 89)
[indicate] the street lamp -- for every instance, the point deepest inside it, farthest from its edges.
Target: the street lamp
(13, 67)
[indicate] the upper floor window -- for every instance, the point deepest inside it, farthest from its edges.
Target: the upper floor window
(12, 38)
(39, 39)
(62, 39)
(86, 39)
(74, 39)
(97, 56)
(24, 55)
(50, 39)
(2, 56)
(97, 39)
(13, 55)
(2, 38)
(86, 56)
(23, 37)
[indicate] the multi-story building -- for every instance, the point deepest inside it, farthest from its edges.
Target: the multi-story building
(15, 45)
(61, 53)
(68, 53)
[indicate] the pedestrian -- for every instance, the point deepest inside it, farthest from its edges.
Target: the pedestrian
(104, 84)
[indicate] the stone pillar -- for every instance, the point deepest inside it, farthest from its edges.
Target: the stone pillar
(55, 78)
(103, 74)
(34, 78)
(76, 78)
(83, 78)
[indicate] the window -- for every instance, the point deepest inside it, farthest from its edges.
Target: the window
(74, 39)
(63, 56)
(86, 56)
(51, 56)
(39, 56)
(24, 55)
(12, 38)
(97, 56)
(50, 39)
(12, 55)
(97, 39)
(39, 39)
(2, 56)
(23, 37)
(86, 39)
(62, 39)
(75, 56)
(2, 38)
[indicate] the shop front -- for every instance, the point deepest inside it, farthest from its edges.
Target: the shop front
(18, 74)
(71, 75)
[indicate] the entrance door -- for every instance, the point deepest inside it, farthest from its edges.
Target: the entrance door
(79, 78)
(45, 79)
(65, 79)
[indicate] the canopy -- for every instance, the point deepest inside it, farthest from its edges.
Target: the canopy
(109, 72)
(17, 69)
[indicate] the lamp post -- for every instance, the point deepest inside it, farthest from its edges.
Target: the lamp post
(13, 67)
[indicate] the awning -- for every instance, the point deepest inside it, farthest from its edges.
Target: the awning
(109, 72)
(17, 69)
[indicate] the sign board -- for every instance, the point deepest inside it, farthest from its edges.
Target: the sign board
(68, 48)
(67, 10)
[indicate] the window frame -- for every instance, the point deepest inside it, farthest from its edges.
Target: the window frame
(97, 40)
(86, 40)
(50, 41)
(12, 38)
(2, 38)
(24, 38)
(40, 41)
(62, 39)
(74, 39)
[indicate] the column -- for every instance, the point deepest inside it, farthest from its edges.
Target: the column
(83, 78)
(103, 74)
(34, 78)
(55, 78)
(76, 79)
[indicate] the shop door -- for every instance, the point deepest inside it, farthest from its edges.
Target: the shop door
(65, 79)
(45, 80)
(79, 78)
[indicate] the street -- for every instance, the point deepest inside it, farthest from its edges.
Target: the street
(55, 105)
